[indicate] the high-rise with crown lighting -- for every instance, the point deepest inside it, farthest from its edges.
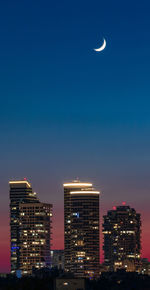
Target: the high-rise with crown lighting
(20, 191)
(122, 231)
(23, 220)
(81, 225)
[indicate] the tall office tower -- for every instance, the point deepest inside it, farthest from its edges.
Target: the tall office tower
(122, 231)
(81, 222)
(29, 227)
(35, 236)
(20, 191)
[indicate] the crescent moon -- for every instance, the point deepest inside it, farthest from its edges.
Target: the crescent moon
(102, 47)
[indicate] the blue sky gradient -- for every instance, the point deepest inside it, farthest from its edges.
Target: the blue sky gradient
(67, 111)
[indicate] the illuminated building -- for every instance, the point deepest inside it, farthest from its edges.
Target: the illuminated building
(35, 234)
(81, 225)
(57, 259)
(145, 267)
(20, 193)
(122, 245)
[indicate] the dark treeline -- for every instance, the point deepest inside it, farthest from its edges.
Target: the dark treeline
(107, 281)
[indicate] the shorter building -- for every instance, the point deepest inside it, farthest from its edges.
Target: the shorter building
(4, 275)
(35, 236)
(103, 268)
(145, 267)
(57, 259)
(130, 265)
(141, 266)
(69, 284)
(122, 233)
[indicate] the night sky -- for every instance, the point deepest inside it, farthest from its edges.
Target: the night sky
(67, 111)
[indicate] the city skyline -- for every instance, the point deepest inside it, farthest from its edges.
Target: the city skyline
(61, 237)
(67, 111)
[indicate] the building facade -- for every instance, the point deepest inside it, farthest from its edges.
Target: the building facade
(144, 267)
(81, 225)
(122, 243)
(20, 192)
(22, 222)
(35, 236)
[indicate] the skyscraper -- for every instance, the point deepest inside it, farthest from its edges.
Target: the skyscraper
(35, 235)
(122, 231)
(21, 193)
(81, 222)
